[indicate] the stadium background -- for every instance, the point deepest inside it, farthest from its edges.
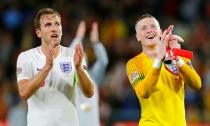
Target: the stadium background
(118, 103)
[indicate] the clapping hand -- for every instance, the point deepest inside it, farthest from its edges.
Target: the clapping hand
(78, 55)
(50, 55)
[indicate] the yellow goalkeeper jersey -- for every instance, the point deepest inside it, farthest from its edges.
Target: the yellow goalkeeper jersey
(165, 106)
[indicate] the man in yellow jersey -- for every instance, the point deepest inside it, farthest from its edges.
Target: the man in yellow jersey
(159, 86)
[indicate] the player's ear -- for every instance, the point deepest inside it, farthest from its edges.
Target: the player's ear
(138, 37)
(38, 33)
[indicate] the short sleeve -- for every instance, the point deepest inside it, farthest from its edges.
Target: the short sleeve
(24, 67)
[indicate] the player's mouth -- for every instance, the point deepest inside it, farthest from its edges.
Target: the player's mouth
(54, 36)
(150, 37)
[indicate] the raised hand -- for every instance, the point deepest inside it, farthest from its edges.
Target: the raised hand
(78, 56)
(161, 50)
(173, 39)
(49, 55)
(94, 35)
(81, 30)
(173, 43)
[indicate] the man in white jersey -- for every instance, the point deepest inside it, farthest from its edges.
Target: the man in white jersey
(88, 108)
(47, 75)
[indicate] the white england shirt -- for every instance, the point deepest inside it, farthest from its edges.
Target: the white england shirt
(53, 104)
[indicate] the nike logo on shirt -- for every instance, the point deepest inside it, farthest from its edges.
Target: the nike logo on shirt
(38, 69)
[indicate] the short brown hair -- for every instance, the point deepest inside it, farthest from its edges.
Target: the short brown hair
(43, 12)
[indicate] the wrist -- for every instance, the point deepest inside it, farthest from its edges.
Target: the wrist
(157, 63)
(81, 67)
(78, 67)
(161, 58)
(179, 62)
(47, 68)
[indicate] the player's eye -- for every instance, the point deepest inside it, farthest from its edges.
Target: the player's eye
(144, 28)
(153, 26)
(57, 24)
(47, 24)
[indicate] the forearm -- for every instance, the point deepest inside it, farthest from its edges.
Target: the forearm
(98, 69)
(85, 82)
(28, 87)
(145, 87)
(189, 75)
(101, 54)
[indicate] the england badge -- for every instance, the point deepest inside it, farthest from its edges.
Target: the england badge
(65, 67)
(171, 68)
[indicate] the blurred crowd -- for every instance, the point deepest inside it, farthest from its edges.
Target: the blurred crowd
(118, 103)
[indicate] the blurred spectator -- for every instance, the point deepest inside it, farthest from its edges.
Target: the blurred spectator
(4, 108)
(6, 48)
(88, 108)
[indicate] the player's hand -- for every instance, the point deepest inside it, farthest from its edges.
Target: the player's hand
(49, 55)
(78, 56)
(173, 43)
(81, 30)
(161, 49)
(94, 35)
